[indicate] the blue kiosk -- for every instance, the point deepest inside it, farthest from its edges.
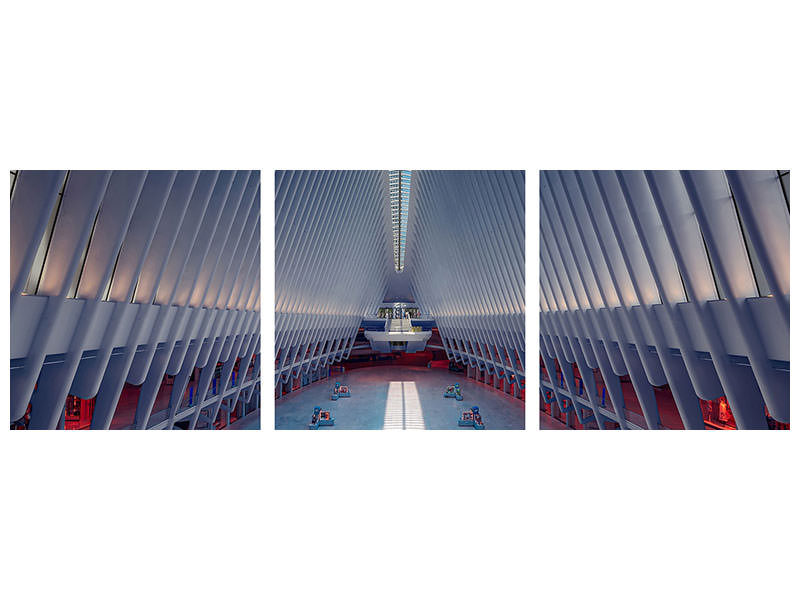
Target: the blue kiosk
(453, 391)
(320, 418)
(340, 391)
(471, 418)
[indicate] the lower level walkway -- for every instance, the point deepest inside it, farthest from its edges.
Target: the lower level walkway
(548, 422)
(251, 421)
(399, 397)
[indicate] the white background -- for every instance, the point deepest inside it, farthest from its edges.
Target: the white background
(513, 85)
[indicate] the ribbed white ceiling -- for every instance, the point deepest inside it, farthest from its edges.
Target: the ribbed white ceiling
(125, 276)
(678, 277)
(465, 257)
(333, 257)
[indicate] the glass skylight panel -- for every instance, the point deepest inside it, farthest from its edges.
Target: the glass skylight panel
(399, 193)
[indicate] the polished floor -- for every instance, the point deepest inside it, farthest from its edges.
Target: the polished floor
(399, 397)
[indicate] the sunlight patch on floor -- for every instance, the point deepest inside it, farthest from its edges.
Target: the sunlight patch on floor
(393, 417)
(403, 407)
(413, 407)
